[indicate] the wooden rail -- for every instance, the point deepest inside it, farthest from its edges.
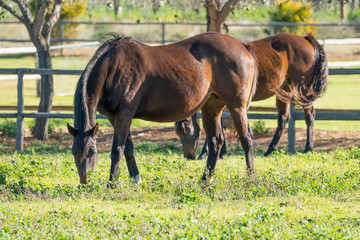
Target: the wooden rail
(163, 26)
(266, 113)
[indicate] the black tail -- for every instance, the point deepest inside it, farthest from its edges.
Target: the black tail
(320, 81)
(316, 86)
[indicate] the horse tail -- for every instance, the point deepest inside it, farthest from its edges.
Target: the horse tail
(314, 87)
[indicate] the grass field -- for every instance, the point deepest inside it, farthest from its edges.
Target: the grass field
(312, 196)
(305, 196)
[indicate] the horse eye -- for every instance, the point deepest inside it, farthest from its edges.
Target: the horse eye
(91, 152)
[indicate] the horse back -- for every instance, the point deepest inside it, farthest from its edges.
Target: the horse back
(161, 83)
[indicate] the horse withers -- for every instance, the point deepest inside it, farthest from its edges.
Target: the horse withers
(287, 65)
(126, 79)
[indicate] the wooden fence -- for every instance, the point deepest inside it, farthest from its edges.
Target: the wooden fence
(321, 114)
(163, 26)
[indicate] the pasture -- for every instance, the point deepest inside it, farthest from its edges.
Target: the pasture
(307, 196)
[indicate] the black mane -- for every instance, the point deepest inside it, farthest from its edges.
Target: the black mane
(80, 109)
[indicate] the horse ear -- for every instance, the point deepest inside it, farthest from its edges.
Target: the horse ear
(72, 130)
(95, 130)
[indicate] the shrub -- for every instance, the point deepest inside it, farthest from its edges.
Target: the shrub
(8, 128)
(69, 11)
(293, 11)
(354, 16)
(259, 127)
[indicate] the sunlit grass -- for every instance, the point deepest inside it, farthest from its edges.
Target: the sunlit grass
(307, 195)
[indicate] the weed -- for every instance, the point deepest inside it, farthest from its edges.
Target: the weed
(259, 127)
(8, 128)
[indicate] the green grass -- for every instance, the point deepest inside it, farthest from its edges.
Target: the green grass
(310, 196)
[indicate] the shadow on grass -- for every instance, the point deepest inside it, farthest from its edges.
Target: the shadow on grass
(152, 147)
(41, 148)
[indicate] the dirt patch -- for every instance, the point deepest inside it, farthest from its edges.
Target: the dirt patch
(323, 140)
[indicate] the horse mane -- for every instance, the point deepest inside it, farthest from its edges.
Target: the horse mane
(80, 109)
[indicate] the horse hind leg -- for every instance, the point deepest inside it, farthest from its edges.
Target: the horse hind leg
(283, 118)
(130, 161)
(211, 113)
(309, 114)
(239, 117)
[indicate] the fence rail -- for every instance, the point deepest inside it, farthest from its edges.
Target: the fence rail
(162, 25)
(321, 114)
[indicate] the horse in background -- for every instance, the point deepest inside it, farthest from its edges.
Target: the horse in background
(126, 79)
(189, 132)
(287, 65)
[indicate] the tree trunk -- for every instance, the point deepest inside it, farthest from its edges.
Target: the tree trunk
(116, 7)
(216, 15)
(342, 10)
(213, 22)
(46, 97)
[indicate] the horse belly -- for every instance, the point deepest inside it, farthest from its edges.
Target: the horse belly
(170, 102)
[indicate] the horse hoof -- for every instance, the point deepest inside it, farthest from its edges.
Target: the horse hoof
(205, 183)
(268, 153)
(202, 157)
(111, 185)
(136, 180)
(308, 150)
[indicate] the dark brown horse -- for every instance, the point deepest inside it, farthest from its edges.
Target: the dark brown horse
(126, 79)
(287, 64)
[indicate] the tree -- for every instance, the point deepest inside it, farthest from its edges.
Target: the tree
(216, 14)
(342, 10)
(39, 26)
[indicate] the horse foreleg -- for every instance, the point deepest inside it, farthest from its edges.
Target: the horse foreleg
(121, 125)
(223, 148)
(239, 117)
(205, 149)
(309, 114)
(283, 118)
(211, 112)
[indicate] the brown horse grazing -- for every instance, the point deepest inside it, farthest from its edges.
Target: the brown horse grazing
(287, 64)
(189, 133)
(126, 79)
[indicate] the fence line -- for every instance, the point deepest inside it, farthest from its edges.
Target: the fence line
(328, 114)
(163, 25)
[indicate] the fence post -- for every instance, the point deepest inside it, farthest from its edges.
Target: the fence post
(20, 111)
(291, 130)
(163, 33)
(61, 37)
(271, 29)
